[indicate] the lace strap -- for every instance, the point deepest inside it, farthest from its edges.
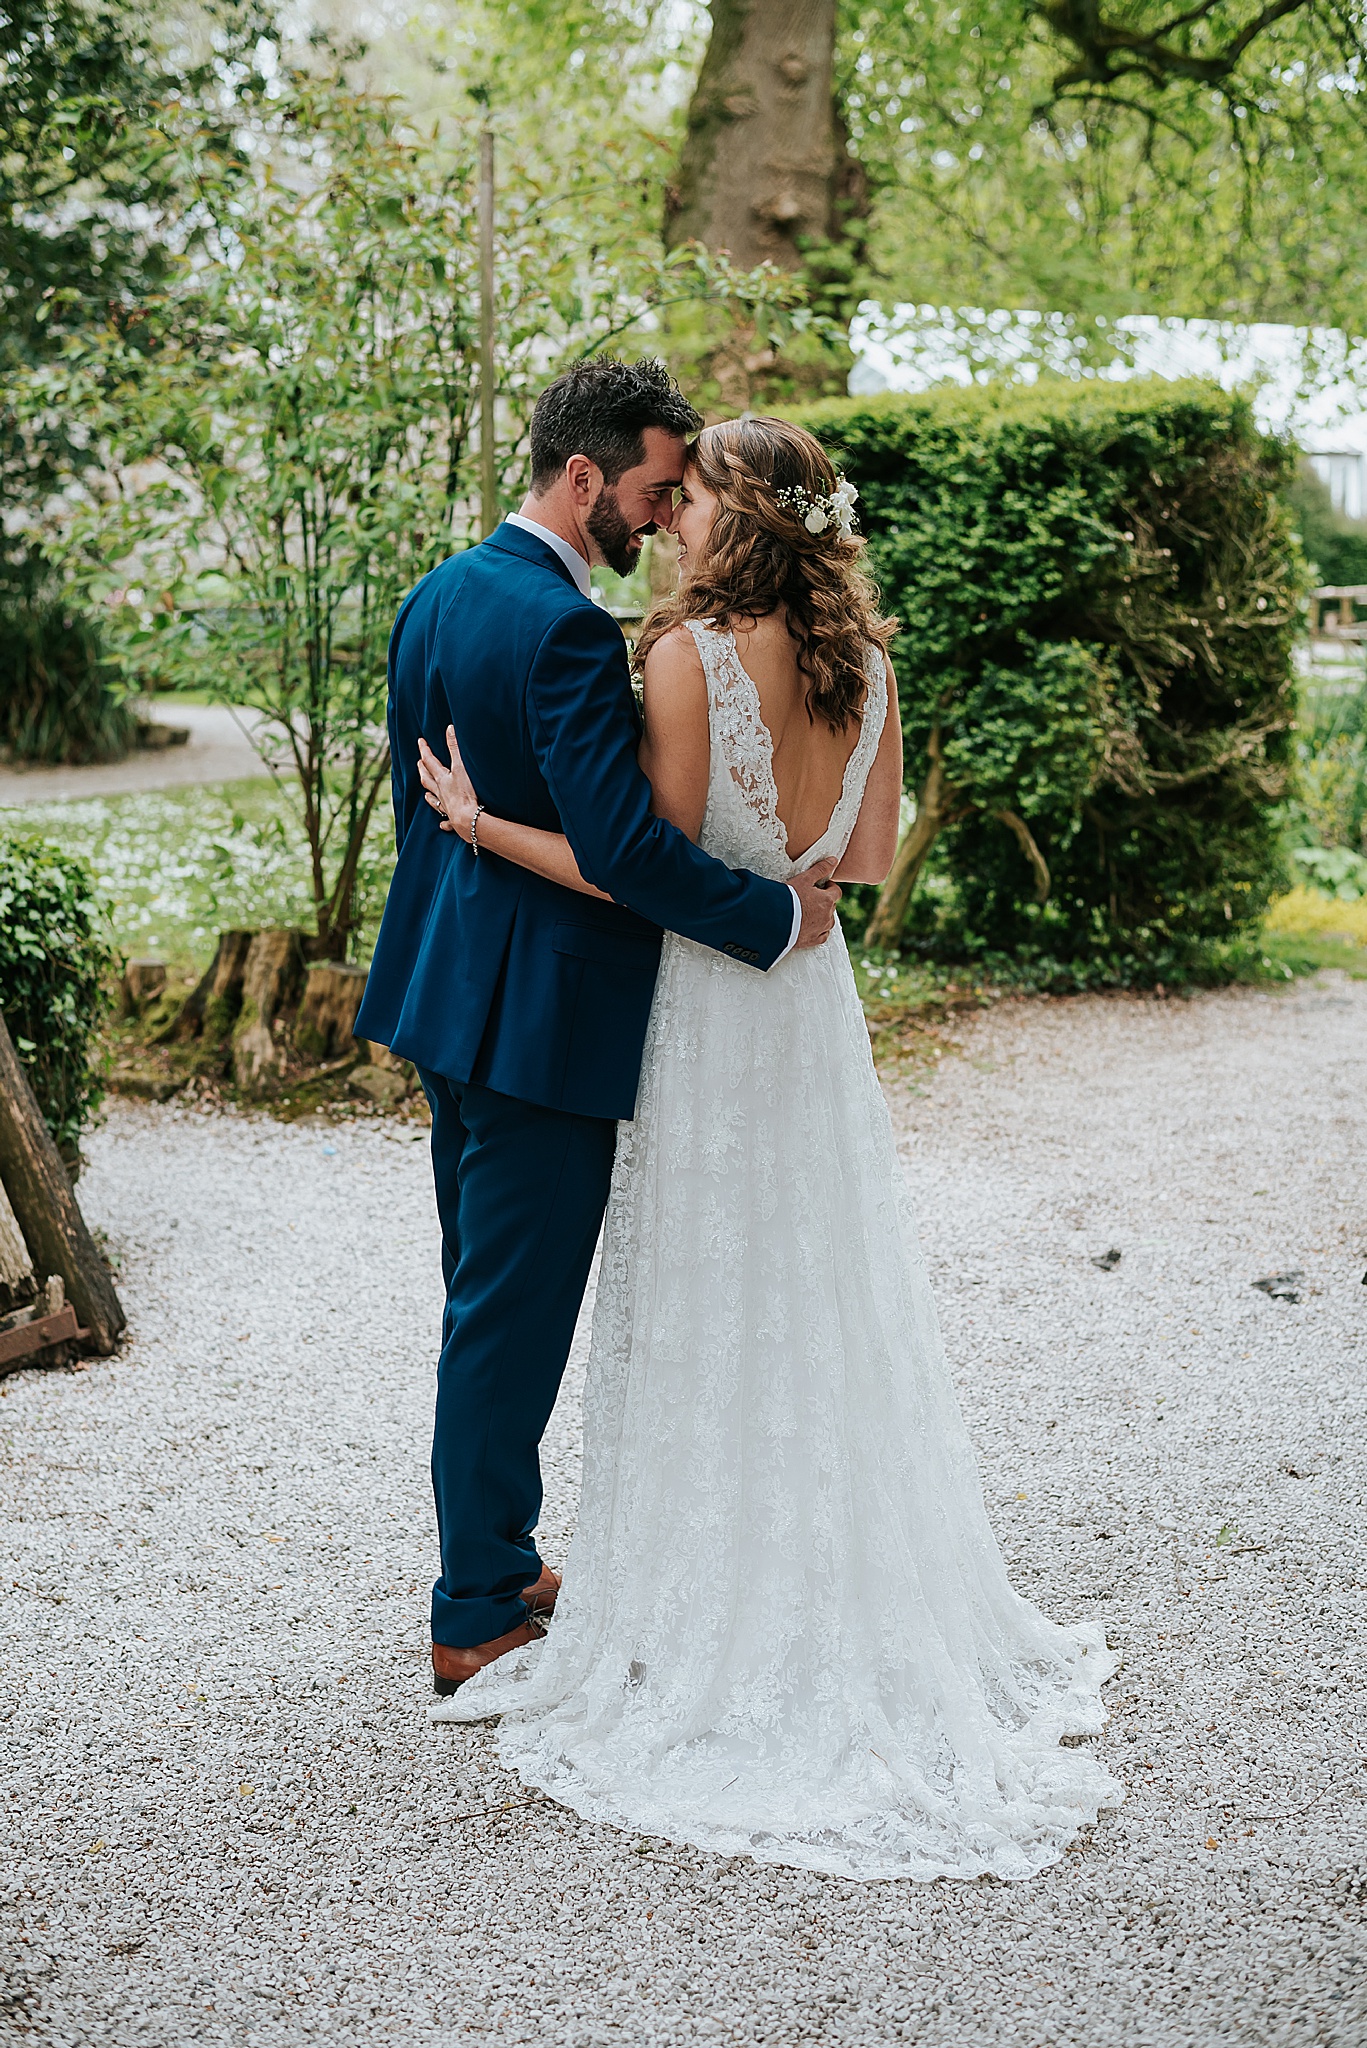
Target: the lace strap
(741, 742)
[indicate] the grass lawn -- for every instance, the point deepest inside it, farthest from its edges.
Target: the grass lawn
(1306, 914)
(176, 866)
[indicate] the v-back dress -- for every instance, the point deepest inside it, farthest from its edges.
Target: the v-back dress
(786, 1629)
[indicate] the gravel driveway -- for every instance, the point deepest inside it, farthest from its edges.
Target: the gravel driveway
(229, 1818)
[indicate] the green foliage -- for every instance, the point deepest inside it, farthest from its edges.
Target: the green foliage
(59, 699)
(1098, 596)
(76, 187)
(78, 82)
(1287, 954)
(1120, 155)
(1332, 745)
(1335, 870)
(54, 967)
(1335, 547)
(85, 183)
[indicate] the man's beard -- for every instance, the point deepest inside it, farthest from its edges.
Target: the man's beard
(609, 528)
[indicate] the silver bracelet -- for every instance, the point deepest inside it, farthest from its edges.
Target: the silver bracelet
(474, 829)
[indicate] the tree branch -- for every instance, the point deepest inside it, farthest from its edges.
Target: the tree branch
(1109, 51)
(1114, 99)
(1016, 824)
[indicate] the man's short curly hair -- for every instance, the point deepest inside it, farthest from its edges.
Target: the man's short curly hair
(601, 408)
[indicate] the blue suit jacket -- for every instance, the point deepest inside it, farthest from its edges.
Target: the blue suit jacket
(485, 972)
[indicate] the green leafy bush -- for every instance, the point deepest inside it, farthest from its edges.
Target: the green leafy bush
(58, 697)
(1335, 870)
(54, 974)
(1098, 590)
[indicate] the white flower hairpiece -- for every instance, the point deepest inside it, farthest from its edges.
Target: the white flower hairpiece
(835, 509)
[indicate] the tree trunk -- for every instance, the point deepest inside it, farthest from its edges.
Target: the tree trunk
(270, 981)
(761, 161)
(332, 996)
(211, 1009)
(45, 1208)
(933, 813)
(143, 980)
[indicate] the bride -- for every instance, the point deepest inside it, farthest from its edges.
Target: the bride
(786, 1629)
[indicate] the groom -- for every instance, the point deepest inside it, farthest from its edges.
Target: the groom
(523, 1004)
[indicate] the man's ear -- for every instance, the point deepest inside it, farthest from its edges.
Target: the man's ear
(581, 476)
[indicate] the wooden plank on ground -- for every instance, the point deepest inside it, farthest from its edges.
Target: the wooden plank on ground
(21, 1341)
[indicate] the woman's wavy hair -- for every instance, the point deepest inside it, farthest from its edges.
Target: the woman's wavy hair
(761, 558)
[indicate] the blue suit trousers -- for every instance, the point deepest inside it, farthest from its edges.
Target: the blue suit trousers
(521, 1192)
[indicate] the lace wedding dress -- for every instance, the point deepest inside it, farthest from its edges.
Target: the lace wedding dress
(786, 1629)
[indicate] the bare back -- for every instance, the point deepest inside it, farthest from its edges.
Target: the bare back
(809, 759)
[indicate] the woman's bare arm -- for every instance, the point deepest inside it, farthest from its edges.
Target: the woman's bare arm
(450, 791)
(545, 853)
(873, 842)
(676, 752)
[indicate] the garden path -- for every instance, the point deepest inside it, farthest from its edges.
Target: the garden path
(218, 750)
(232, 1823)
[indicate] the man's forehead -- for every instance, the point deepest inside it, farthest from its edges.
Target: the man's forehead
(666, 458)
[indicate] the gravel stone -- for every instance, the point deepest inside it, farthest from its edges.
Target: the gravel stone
(227, 1819)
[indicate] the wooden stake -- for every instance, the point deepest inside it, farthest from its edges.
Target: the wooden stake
(488, 465)
(45, 1208)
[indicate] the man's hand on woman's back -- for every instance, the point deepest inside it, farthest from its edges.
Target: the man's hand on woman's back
(818, 895)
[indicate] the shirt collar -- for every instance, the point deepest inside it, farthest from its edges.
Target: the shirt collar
(571, 557)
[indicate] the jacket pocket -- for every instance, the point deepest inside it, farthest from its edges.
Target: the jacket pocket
(607, 948)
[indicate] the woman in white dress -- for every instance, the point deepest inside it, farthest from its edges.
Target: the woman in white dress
(785, 1629)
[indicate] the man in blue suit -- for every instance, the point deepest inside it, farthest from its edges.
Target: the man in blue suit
(524, 1004)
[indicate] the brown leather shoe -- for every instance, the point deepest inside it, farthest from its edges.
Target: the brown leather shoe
(451, 1668)
(540, 1598)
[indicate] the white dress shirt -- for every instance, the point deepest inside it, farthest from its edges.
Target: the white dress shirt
(579, 569)
(571, 557)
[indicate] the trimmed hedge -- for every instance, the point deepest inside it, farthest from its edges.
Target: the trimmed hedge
(1098, 589)
(55, 964)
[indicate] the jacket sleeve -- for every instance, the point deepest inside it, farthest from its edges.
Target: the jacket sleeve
(585, 736)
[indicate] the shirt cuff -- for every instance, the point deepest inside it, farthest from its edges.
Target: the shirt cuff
(797, 924)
